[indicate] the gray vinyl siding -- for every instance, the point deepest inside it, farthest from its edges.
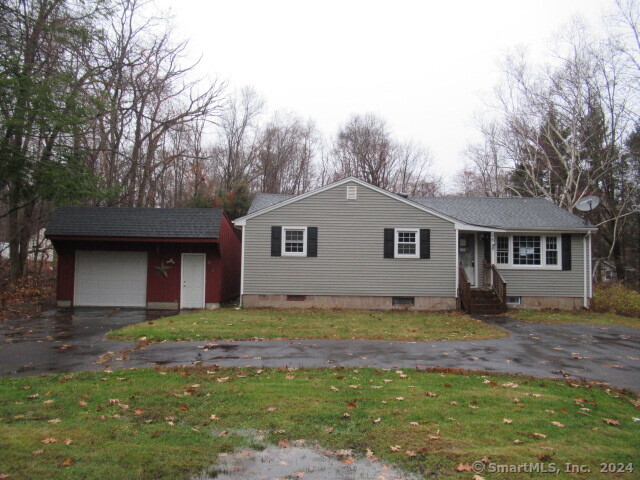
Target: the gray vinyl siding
(350, 257)
(549, 283)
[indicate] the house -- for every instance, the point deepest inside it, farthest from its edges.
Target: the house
(351, 244)
(156, 258)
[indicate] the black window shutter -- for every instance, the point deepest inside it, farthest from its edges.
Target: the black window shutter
(425, 243)
(276, 241)
(388, 242)
(566, 251)
(486, 238)
(312, 242)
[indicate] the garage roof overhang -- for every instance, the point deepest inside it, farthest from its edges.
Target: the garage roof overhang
(131, 239)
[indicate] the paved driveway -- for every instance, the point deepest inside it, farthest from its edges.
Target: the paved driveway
(62, 342)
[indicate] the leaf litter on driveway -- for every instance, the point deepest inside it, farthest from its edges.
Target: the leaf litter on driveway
(297, 461)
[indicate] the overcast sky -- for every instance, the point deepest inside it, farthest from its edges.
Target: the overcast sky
(425, 66)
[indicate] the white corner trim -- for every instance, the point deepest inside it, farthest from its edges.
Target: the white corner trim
(457, 267)
(585, 299)
(590, 262)
(242, 220)
(244, 238)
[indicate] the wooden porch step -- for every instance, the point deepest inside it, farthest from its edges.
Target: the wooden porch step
(485, 302)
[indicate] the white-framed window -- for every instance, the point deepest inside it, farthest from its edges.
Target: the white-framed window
(502, 250)
(514, 300)
(407, 243)
(526, 250)
(294, 241)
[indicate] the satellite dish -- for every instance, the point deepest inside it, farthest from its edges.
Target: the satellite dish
(586, 204)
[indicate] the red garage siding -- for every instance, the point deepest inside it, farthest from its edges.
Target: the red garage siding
(222, 274)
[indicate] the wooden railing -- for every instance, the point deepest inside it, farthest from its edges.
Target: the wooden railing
(499, 286)
(464, 289)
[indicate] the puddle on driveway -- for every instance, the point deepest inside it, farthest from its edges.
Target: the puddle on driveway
(274, 463)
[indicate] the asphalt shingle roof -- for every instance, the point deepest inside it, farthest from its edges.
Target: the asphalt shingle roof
(491, 212)
(508, 213)
(136, 222)
(264, 200)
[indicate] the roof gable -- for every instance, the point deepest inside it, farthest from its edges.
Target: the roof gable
(274, 202)
(511, 213)
(200, 223)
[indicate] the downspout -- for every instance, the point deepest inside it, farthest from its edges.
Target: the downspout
(457, 267)
(242, 265)
(590, 260)
(585, 299)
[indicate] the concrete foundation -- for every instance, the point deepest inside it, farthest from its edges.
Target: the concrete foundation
(162, 305)
(346, 301)
(561, 303)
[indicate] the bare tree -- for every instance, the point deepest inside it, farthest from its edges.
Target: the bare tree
(364, 148)
(285, 161)
(234, 155)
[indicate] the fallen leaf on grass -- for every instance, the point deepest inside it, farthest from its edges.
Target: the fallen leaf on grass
(414, 424)
(66, 462)
(395, 448)
(138, 412)
(430, 394)
(410, 453)
(55, 420)
(271, 409)
(464, 467)
(335, 389)
(38, 452)
(328, 430)
(507, 421)
(3, 476)
(558, 424)
(68, 441)
(400, 399)
(214, 417)
(82, 403)
(377, 420)
(539, 435)
(610, 421)
(517, 442)
(48, 440)
(283, 443)
(477, 477)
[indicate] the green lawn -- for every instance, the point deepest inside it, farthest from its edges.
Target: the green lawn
(574, 316)
(255, 323)
(168, 424)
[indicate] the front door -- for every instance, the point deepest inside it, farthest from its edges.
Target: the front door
(193, 280)
(467, 254)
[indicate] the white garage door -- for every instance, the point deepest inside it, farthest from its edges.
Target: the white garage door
(111, 279)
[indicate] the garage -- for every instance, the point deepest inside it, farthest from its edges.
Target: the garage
(105, 279)
(154, 258)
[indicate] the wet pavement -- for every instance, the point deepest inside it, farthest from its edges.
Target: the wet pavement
(298, 461)
(64, 342)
